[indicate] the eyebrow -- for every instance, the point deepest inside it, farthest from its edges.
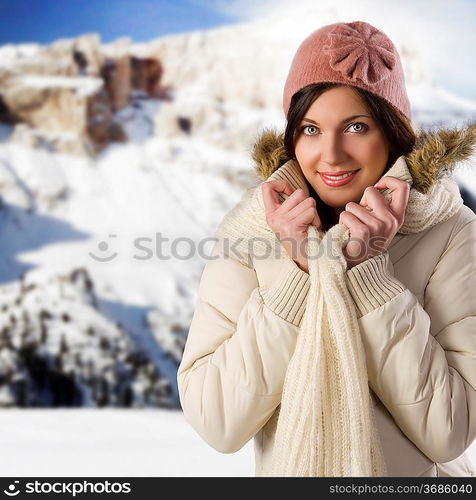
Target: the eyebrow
(342, 122)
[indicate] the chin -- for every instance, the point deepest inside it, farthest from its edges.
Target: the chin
(338, 200)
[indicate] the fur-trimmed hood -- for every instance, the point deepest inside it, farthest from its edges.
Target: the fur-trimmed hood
(435, 155)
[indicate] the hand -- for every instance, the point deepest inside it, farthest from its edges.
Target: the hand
(290, 219)
(374, 222)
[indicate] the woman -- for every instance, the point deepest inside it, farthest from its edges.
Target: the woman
(336, 322)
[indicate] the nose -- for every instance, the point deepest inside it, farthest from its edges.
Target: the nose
(332, 152)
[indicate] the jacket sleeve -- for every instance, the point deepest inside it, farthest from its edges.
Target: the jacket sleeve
(239, 344)
(421, 360)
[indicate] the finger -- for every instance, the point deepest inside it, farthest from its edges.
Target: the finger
(316, 222)
(300, 206)
(373, 200)
(307, 217)
(352, 222)
(400, 193)
(293, 201)
(271, 190)
(361, 213)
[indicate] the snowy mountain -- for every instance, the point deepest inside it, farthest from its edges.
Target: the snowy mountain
(111, 180)
(59, 349)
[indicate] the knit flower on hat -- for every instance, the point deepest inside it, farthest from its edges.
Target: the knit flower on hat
(359, 51)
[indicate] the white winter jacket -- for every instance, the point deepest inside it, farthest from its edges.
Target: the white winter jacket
(417, 316)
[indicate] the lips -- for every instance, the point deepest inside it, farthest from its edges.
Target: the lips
(348, 176)
(340, 172)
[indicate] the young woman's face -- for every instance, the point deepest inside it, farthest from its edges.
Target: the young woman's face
(327, 144)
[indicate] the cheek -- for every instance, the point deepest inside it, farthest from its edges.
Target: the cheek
(374, 157)
(375, 148)
(306, 153)
(298, 148)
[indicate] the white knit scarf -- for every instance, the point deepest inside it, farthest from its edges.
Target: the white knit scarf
(326, 425)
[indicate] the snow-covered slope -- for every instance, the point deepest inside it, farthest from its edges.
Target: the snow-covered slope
(111, 443)
(135, 218)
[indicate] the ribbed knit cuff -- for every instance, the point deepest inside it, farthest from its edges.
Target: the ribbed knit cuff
(372, 283)
(287, 294)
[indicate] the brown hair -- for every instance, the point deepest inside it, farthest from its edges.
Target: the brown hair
(395, 127)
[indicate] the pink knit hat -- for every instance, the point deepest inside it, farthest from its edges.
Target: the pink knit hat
(354, 53)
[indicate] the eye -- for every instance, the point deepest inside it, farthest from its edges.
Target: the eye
(308, 126)
(362, 126)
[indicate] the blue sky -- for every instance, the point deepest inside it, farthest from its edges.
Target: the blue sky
(45, 21)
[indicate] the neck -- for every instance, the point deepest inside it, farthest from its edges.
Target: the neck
(329, 215)
(336, 213)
